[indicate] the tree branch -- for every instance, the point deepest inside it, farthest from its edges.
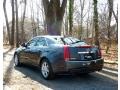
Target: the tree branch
(116, 18)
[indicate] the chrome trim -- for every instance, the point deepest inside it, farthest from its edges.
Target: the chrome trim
(86, 61)
(82, 52)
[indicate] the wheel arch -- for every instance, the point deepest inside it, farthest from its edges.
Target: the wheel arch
(42, 60)
(15, 53)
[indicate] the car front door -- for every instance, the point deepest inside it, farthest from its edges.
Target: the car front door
(33, 50)
(26, 55)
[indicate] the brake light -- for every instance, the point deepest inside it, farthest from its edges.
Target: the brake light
(66, 53)
(85, 46)
(99, 53)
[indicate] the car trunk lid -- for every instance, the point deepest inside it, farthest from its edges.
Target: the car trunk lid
(81, 53)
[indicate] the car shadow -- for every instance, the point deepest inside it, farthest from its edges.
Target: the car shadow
(68, 81)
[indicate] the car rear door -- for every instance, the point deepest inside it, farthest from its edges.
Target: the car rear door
(39, 49)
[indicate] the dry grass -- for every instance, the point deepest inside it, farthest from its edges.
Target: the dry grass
(112, 54)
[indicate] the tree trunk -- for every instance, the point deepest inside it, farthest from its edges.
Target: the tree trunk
(96, 23)
(116, 19)
(66, 23)
(54, 28)
(22, 22)
(17, 29)
(82, 3)
(88, 19)
(71, 6)
(110, 8)
(13, 24)
(54, 13)
(6, 19)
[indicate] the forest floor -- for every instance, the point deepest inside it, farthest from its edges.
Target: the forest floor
(110, 58)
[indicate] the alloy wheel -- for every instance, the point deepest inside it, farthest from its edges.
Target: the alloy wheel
(45, 69)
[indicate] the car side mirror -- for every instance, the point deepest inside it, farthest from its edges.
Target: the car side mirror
(24, 45)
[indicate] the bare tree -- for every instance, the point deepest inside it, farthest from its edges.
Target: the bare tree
(6, 19)
(116, 19)
(71, 6)
(115, 15)
(54, 12)
(82, 5)
(88, 18)
(95, 19)
(37, 16)
(66, 23)
(103, 18)
(43, 18)
(13, 24)
(110, 9)
(22, 22)
(17, 29)
(33, 19)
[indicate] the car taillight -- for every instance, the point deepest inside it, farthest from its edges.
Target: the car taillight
(85, 46)
(99, 53)
(66, 53)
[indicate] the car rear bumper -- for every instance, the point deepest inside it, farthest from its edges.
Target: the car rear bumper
(84, 66)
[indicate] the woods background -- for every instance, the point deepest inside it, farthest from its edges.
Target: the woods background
(95, 21)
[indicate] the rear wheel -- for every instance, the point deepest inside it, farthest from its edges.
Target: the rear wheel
(46, 70)
(16, 60)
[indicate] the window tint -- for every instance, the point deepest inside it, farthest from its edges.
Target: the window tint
(41, 42)
(58, 40)
(31, 43)
(49, 41)
(75, 41)
(67, 40)
(54, 40)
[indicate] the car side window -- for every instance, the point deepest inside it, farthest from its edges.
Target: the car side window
(41, 42)
(32, 43)
(49, 41)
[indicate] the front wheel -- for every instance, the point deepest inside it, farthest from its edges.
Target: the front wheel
(46, 70)
(16, 60)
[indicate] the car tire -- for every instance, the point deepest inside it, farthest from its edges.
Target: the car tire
(16, 60)
(46, 70)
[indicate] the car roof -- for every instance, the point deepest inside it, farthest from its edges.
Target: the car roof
(50, 36)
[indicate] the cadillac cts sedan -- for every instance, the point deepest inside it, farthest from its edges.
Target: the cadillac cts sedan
(58, 54)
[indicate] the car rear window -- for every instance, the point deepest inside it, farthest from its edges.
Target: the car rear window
(68, 41)
(74, 41)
